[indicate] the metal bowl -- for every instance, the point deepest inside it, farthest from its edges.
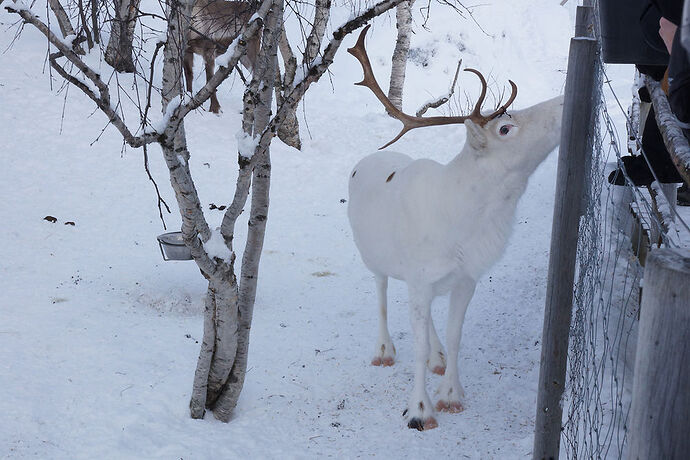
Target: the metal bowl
(173, 247)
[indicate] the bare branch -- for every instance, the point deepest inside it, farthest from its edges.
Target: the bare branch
(443, 99)
(102, 99)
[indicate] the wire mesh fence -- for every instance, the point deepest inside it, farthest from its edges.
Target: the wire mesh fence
(619, 224)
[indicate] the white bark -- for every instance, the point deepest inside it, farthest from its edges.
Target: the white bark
(321, 14)
(261, 178)
(218, 377)
(403, 16)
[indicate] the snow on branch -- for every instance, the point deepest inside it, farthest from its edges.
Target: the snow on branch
(665, 213)
(676, 143)
(436, 103)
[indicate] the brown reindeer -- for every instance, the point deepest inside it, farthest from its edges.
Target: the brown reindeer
(215, 24)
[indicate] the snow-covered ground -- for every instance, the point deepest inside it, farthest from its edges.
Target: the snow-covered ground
(99, 336)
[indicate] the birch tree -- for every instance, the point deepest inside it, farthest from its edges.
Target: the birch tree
(230, 295)
(403, 22)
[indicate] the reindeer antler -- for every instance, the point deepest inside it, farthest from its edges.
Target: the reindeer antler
(409, 121)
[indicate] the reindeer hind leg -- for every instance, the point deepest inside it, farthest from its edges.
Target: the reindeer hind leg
(210, 67)
(437, 358)
(384, 353)
(188, 66)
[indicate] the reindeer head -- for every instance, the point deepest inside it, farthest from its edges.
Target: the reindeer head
(537, 127)
(519, 135)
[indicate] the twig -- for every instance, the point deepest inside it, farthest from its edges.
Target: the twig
(155, 186)
(443, 99)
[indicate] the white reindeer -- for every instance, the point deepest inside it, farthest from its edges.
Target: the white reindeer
(440, 227)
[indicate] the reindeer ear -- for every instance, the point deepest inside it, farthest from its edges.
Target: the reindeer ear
(475, 135)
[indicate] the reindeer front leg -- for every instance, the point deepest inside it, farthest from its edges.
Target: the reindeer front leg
(420, 412)
(450, 391)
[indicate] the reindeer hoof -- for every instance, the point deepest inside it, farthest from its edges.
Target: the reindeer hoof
(437, 362)
(385, 362)
(422, 425)
(454, 407)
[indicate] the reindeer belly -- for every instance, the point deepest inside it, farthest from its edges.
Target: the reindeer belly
(370, 220)
(392, 230)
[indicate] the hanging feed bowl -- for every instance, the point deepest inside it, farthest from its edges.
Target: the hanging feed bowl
(173, 247)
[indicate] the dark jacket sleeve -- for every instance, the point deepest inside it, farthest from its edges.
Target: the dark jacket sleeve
(679, 81)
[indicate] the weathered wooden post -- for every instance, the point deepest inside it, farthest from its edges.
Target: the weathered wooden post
(575, 146)
(660, 412)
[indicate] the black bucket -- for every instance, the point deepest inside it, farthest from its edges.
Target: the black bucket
(622, 36)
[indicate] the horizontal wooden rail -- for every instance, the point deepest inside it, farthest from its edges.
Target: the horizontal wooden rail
(676, 143)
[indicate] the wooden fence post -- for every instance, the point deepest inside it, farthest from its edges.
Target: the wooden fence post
(660, 412)
(575, 146)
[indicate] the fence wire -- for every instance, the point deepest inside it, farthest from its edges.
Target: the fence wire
(606, 299)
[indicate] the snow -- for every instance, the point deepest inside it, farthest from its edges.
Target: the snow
(216, 247)
(302, 71)
(19, 5)
(224, 59)
(99, 336)
(246, 143)
(158, 126)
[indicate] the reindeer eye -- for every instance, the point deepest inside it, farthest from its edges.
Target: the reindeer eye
(505, 129)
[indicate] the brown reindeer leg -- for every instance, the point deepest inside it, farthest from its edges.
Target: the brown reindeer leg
(210, 65)
(188, 66)
(249, 59)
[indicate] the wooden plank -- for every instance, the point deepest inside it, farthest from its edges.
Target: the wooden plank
(659, 423)
(574, 149)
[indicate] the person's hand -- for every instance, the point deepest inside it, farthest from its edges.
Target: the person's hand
(667, 30)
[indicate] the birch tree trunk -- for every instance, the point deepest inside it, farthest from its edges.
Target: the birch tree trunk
(403, 17)
(261, 179)
(120, 51)
(219, 343)
(222, 364)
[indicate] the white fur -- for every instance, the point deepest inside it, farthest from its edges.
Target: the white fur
(440, 227)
